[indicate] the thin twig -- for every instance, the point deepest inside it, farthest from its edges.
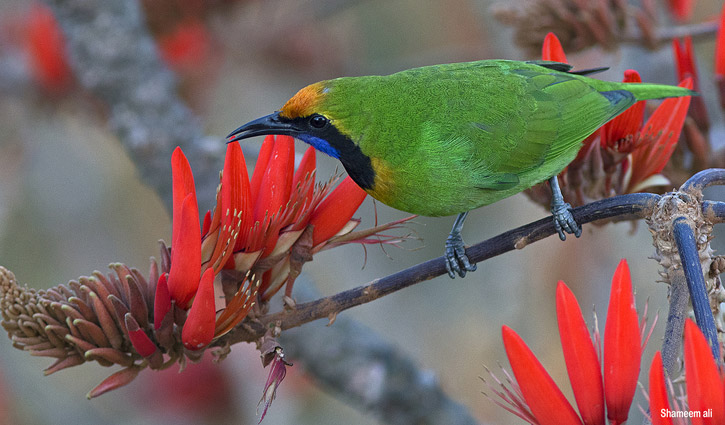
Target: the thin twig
(701, 30)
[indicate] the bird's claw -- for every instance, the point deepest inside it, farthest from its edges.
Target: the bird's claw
(456, 260)
(564, 221)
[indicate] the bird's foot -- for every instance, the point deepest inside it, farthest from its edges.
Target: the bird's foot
(564, 220)
(456, 259)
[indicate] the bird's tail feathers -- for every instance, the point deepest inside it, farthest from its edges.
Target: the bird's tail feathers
(645, 91)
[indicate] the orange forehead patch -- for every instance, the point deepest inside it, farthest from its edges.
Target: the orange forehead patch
(303, 103)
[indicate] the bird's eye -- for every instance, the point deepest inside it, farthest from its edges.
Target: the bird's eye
(318, 121)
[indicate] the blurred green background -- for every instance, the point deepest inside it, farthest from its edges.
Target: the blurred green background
(71, 202)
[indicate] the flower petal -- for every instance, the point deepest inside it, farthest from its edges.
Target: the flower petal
(660, 135)
(685, 60)
(704, 387)
(199, 326)
(720, 46)
(681, 9)
(162, 301)
(303, 188)
(182, 184)
(187, 46)
(582, 364)
(260, 166)
(275, 189)
(622, 347)
(552, 50)
(115, 381)
(307, 166)
(186, 254)
(616, 133)
(206, 224)
(335, 210)
(235, 206)
(140, 341)
(546, 401)
(46, 48)
(658, 402)
(276, 183)
(720, 58)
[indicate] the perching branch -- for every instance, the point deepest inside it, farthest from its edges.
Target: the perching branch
(632, 205)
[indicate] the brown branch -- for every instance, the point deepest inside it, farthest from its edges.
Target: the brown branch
(698, 31)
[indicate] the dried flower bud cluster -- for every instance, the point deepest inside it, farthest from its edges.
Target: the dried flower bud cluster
(578, 24)
(95, 318)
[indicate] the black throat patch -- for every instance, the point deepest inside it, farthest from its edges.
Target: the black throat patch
(356, 163)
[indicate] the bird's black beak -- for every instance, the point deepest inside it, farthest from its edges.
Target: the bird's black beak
(270, 124)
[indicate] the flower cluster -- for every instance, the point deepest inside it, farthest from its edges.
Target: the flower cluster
(604, 386)
(263, 229)
(253, 244)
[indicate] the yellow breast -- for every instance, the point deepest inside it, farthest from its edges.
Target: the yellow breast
(384, 188)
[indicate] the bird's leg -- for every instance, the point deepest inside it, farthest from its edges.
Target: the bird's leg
(563, 220)
(456, 260)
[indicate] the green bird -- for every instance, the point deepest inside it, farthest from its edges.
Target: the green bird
(445, 139)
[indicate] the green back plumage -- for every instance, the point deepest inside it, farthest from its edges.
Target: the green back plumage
(449, 138)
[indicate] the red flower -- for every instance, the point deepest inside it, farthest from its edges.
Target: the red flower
(232, 215)
(686, 68)
(659, 137)
(46, 46)
(720, 57)
(333, 213)
(257, 225)
(187, 46)
(582, 362)
(546, 402)
(185, 270)
(622, 348)
(541, 400)
(199, 326)
(704, 383)
(140, 341)
(681, 9)
(162, 301)
(658, 393)
(619, 133)
(552, 50)
(685, 60)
